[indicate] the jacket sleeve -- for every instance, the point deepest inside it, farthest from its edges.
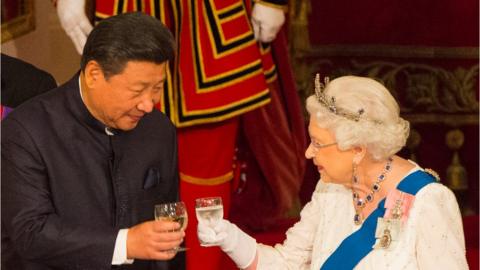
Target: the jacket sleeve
(22, 81)
(34, 228)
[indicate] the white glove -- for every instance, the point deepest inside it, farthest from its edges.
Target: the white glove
(266, 22)
(74, 21)
(239, 246)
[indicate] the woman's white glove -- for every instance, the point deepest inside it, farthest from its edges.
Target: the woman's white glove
(74, 21)
(266, 22)
(239, 246)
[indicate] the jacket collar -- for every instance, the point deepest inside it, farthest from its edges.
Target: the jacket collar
(80, 110)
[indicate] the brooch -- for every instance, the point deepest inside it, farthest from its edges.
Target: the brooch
(387, 231)
(433, 173)
(389, 226)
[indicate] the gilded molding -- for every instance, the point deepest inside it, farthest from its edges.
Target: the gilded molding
(425, 88)
(446, 119)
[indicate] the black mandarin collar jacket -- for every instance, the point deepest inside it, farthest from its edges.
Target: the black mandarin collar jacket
(68, 187)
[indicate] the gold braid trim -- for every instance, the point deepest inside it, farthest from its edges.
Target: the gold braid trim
(207, 181)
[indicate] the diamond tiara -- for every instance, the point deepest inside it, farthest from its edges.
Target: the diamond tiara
(329, 102)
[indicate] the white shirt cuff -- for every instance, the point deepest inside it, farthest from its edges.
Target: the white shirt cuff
(120, 251)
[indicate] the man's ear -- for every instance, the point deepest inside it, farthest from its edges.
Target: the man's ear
(359, 154)
(93, 74)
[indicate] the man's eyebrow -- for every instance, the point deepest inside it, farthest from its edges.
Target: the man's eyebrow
(140, 83)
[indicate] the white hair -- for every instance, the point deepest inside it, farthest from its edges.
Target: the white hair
(380, 128)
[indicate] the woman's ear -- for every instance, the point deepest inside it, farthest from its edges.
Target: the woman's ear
(93, 74)
(359, 154)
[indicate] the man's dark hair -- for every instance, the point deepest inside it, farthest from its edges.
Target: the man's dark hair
(127, 37)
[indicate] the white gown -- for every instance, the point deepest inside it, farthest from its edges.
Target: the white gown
(432, 237)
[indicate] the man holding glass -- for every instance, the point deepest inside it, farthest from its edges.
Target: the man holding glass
(84, 165)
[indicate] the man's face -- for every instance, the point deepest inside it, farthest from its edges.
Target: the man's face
(122, 100)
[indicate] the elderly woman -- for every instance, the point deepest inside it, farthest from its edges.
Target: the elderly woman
(371, 209)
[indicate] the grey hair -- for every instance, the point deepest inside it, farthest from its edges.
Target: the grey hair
(380, 128)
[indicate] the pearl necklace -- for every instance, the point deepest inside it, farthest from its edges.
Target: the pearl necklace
(359, 203)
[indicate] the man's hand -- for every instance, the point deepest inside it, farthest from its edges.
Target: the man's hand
(266, 22)
(74, 21)
(154, 240)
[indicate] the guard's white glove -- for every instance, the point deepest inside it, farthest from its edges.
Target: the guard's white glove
(74, 21)
(266, 22)
(239, 246)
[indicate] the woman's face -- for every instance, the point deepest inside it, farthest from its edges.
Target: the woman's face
(334, 165)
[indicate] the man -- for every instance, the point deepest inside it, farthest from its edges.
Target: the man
(84, 164)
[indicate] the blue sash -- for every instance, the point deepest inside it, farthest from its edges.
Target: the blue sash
(356, 246)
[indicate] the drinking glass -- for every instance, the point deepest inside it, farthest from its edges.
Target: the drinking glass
(209, 211)
(175, 211)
